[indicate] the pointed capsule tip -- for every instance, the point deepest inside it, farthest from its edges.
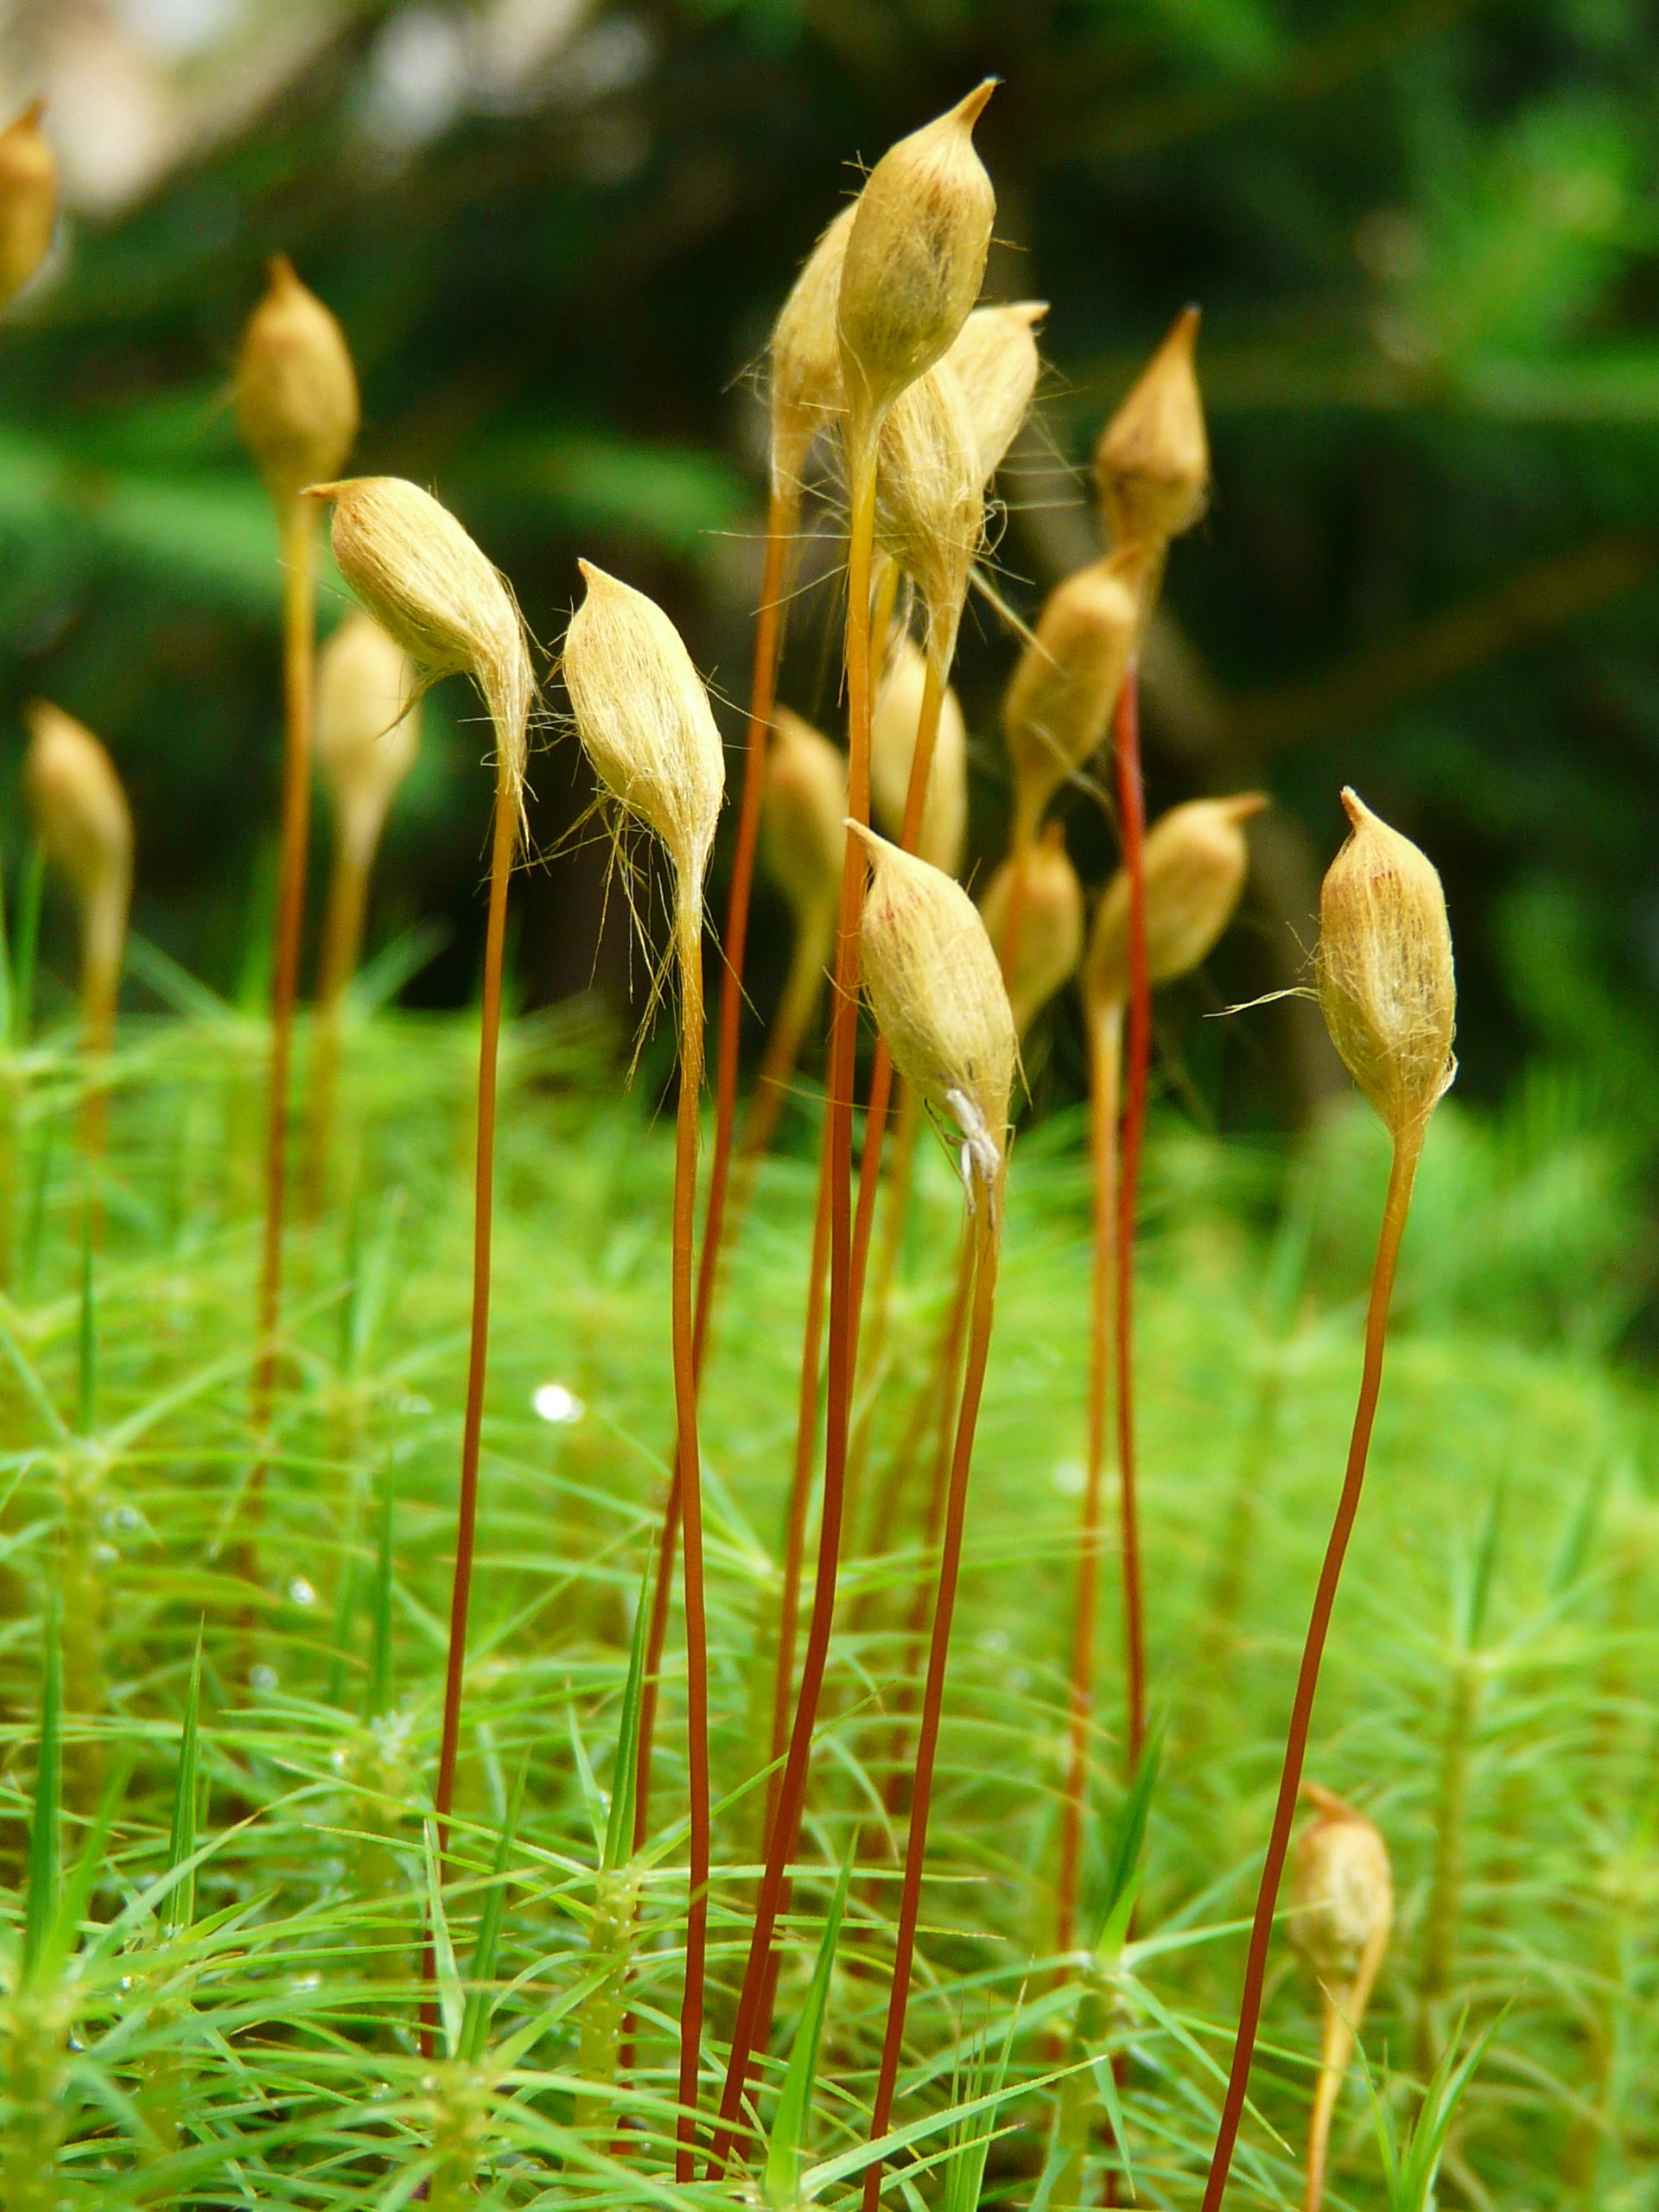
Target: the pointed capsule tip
(969, 110)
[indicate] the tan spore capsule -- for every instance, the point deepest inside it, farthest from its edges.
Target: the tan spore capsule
(296, 401)
(938, 998)
(644, 718)
(1342, 1888)
(914, 258)
(1342, 1914)
(805, 394)
(930, 514)
(1386, 983)
(1196, 858)
(893, 728)
(86, 826)
(1059, 701)
(427, 585)
(28, 199)
(804, 813)
(368, 731)
(1050, 928)
(1151, 463)
(997, 364)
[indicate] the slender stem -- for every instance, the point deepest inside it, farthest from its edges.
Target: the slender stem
(298, 523)
(1105, 1057)
(688, 1466)
(1408, 1150)
(873, 1327)
(342, 945)
(1131, 826)
(504, 837)
(986, 1241)
(783, 513)
(806, 1431)
(942, 1396)
(506, 821)
(838, 1140)
(931, 1405)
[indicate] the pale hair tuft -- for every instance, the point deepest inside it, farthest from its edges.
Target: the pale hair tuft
(939, 1000)
(427, 585)
(997, 364)
(644, 718)
(805, 394)
(930, 509)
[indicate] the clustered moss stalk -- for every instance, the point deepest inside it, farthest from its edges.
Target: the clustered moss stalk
(1408, 1150)
(1132, 825)
(504, 838)
(688, 934)
(1105, 1034)
(986, 1243)
(838, 1146)
(782, 514)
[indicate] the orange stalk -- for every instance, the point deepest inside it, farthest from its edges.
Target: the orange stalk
(1105, 1054)
(1406, 1152)
(782, 512)
(985, 1243)
(506, 829)
(838, 1141)
(688, 1466)
(806, 1430)
(1131, 826)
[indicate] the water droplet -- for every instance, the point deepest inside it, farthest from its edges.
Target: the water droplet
(556, 1404)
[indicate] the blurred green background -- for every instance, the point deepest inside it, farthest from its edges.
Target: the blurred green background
(1424, 237)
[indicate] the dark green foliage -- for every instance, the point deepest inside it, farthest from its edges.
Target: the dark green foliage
(1420, 239)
